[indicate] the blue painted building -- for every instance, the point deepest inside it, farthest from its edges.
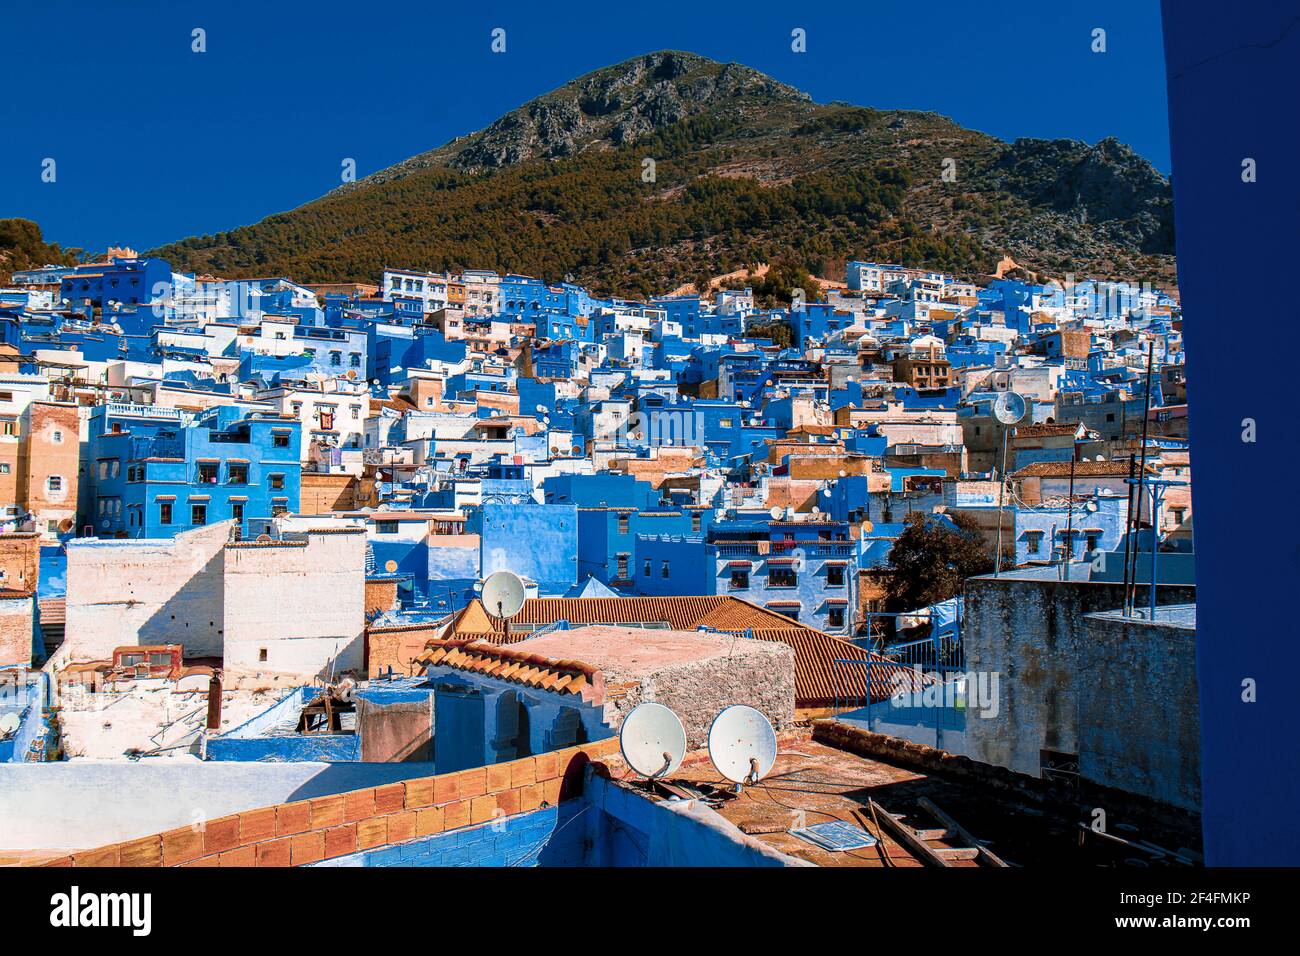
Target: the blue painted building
(152, 473)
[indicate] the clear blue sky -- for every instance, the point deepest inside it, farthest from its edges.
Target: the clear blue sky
(155, 143)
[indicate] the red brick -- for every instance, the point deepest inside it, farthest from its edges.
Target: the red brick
(507, 801)
(523, 772)
(257, 825)
(358, 805)
(419, 793)
(307, 847)
(204, 861)
(551, 790)
(243, 856)
(389, 798)
(428, 820)
(273, 853)
(104, 856)
(482, 809)
(446, 788)
(530, 797)
(473, 783)
(547, 765)
(221, 834)
(291, 818)
(340, 841)
(455, 815)
(145, 852)
(401, 826)
(372, 832)
(498, 777)
(327, 811)
(181, 845)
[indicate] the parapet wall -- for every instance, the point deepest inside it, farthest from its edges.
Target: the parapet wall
(308, 831)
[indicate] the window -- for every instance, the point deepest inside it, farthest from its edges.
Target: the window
(164, 512)
(238, 474)
(207, 472)
(237, 511)
(280, 440)
(56, 437)
(355, 359)
(1034, 540)
(9, 426)
(740, 579)
(279, 506)
(646, 569)
(622, 565)
(261, 654)
(4, 467)
(198, 514)
(835, 617)
(695, 521)
(623, 523)
(103, 470)
(663, 571)
(782, 576)
(336, 358)
(835, 576)
(54, 483)
(385, 527)
(277, 482)
(1092, 542)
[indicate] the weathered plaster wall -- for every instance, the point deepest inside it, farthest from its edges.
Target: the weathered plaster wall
(145, 592)
(1033, 634)
(302, 606)
(1139, 724)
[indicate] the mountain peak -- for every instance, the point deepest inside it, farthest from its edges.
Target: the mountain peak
(614, 106)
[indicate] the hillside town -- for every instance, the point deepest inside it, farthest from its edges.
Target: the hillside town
(249, 525)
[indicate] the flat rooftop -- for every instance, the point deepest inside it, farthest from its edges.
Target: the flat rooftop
(635, 651)
(813, 783)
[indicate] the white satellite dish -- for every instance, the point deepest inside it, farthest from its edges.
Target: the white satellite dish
(1009, 408)
(503, 594)
(9, 724)
(653, 740)
(742, 744)
(776, 511)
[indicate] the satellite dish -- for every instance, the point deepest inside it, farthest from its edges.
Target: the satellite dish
(1090, 506)
(742, 744)
(263, 539)
(776, 511)
(9, 724)
(1009, 408)
(503, 594)
(653, 740)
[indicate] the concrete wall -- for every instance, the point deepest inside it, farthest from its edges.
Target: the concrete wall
(1139, 723)
(145, 592)
(1032, 632)
(303, 605)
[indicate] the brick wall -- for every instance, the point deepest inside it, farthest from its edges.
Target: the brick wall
(16, 631)
(320, 494)
(308, 831)
(20, 560)
(396, 647)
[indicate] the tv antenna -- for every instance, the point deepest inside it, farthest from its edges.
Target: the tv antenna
(742, 744)
(653, 740)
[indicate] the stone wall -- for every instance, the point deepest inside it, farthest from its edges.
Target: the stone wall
(20, 560)
(760, 674)
(17, 628)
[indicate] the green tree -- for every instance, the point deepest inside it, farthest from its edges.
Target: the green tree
(931, 559)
